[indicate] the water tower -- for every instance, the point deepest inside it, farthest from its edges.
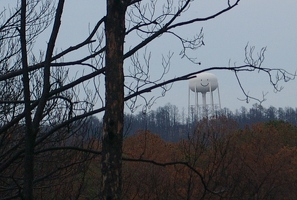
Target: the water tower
(203, 83)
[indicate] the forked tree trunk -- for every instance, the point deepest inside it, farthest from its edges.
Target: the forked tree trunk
(33, 126)
(29, 133)
(111, 165)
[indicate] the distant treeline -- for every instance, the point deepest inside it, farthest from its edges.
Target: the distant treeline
(172, 124)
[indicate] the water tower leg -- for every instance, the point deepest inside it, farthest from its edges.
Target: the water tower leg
(219, 98)
(189, 104)
(197, 106)
(204, 104)
(212, 103)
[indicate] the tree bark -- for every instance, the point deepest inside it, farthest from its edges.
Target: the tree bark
(111, 165)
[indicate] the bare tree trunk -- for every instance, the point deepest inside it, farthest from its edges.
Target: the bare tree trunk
(32, 127)
(29, 132)
(113, 119)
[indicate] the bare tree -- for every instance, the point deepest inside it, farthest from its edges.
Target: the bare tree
(35, 99)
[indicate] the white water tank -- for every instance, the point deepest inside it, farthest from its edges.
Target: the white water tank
(203, 82)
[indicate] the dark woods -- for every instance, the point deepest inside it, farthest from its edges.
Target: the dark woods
(173, 124)
(243, 154)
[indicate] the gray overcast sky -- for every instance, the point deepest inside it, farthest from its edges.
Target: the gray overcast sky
(261, 23)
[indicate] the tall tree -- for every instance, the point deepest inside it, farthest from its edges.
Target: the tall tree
(33, 125)
(111, 163)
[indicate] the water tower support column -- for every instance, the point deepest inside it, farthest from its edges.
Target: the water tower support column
(204, 104)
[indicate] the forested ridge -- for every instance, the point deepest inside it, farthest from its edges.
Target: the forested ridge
(246, 154)
(218, 160)
(242, 155)
(173, 124)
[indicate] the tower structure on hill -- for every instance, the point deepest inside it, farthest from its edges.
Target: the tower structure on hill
(203, 83)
